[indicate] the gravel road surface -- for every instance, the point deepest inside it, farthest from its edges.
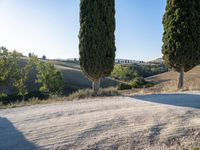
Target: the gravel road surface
(151, 122)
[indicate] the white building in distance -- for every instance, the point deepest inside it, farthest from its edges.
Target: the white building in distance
(127, 61)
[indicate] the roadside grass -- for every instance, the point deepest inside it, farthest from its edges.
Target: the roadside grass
(88, 93)
(196, 148)
(32, 101)
(171, 86)
(167, 82)
(164, 83)
(80, 94)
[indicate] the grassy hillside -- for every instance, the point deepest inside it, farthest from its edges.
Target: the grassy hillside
(168, 81)
(73, 78)
(67, 63)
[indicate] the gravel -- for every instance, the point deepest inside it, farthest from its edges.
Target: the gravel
(162, 121)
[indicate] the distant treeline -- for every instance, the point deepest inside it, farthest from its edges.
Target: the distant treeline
(149, 70)
(132, 76)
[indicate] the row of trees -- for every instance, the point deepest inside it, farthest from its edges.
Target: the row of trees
(12, 69)
(181, 38)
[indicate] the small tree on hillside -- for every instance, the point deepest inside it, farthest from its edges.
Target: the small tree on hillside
(181, 36)
(21, 77)
(8, 64)
(97, 40)
(50, 78)
(124, 73)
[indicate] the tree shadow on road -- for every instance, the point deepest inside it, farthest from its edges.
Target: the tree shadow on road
(179, 99)
(13, 139)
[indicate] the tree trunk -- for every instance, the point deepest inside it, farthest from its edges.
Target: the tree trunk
(181, 79)
(23, 98)
(96, 86)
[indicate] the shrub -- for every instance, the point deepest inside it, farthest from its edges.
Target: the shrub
(7, 99)
(51, 79)
(129, 72)
(196, 148)
(148, 84)
(137, 82)
(88, 93)
(110, 92)
(123, 73)
(81, 94)
(2, 97)
(124, 86)
(131, 76)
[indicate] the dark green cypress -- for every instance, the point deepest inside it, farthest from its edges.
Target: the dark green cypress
(97, 39)
(181, 43)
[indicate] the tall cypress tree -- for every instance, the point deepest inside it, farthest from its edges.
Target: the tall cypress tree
(181, 42)
(97, 39)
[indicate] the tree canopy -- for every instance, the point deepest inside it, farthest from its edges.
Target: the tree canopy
(181, 38)
(97, 39)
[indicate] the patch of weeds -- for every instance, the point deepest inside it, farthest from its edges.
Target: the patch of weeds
(88, 93)
(196, 148)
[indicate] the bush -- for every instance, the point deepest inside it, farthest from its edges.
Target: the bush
(123, 73)
(138, 82)
(131, 76)
(109, 92)
(128, 72)
(51, 79)
(7, 99)
(124, 86)
(3, 95)
(81, 94)
(148, 84)
(196, 148)
(88, 93)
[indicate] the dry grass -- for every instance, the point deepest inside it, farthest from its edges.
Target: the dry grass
(196, 148)
(167, 82)
(81, 94)
(88, 93)
(32, 101)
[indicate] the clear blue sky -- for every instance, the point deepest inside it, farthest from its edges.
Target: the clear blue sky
(51, 27)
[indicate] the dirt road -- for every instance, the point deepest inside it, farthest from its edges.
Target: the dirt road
(170, 121)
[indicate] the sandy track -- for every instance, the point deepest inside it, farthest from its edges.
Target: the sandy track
(141, 122)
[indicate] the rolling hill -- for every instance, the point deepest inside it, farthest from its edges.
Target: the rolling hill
(73, 77)
(168, 81)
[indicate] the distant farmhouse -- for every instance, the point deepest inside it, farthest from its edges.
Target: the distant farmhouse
(73, 59)
(117, 61)
(127, 61)
(123, 61)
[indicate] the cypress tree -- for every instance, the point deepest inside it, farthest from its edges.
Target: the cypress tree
(96, 39)
(181, 38)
